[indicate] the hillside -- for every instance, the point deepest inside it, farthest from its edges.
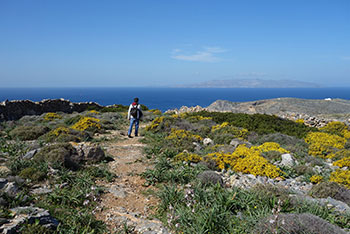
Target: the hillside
(196, 172)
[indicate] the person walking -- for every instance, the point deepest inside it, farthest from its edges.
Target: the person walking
(134, 115)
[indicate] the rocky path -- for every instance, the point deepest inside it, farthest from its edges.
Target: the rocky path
(127, 205)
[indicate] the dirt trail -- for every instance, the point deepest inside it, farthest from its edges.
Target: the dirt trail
(126, 203)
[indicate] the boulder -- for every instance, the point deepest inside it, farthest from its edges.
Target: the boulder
(287, 160)
(30, 154)
(90, 153)
(28, 214)
(208, 141)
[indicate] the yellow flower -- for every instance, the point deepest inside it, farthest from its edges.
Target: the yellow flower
(87, 123)
(322, 144)
(341, 177)
(52, 116)
(315, 179)
(270, 146)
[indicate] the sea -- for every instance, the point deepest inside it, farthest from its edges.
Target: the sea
(169, 98)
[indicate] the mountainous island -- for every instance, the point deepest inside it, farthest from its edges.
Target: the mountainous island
(267, 166)
(251, 83)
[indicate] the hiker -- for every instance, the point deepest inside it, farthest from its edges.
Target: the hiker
(134, 115)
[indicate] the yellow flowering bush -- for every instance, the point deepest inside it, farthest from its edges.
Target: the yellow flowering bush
(188, 157)
(52, 116)
(334, 127)
(180, 134)
(197, 118)
(226, 128)
(222, 159)
(315, 179)
(341, 177)
(246, 160)
(219, 126)
(58, 131)
(322, 144)
(301, 121)
(94, 112)
(87, 123)
(270, 146)
(155, 111)
(344, 162)
(155, 123)
(346, 134)
(257, 165)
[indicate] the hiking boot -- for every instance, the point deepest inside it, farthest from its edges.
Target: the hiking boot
(129, 136)
(136, 135)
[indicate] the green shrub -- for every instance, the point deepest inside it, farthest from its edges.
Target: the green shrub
(32, 173)
(72, 120)
(25, 133)
(260, 123)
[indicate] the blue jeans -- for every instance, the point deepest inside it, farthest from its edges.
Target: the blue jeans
(132, 122)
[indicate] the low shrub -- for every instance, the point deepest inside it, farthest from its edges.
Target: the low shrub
(296, 223)
(88, 124)
(323, 144)
(260, 123)
(51, 116)
(25, 133)
(341, 177)
(33, 174)
(331, 189)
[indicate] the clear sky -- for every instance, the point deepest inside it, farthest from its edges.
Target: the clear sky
(84, 43)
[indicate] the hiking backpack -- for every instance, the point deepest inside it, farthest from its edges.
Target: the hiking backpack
(134, 110)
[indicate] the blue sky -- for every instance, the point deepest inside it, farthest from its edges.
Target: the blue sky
(154, 43)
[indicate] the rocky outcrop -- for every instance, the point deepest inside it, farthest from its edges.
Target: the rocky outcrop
(14, 110)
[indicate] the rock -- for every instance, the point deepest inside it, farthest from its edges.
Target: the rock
(208, 141)
(235, 143)
(4, 171)
(14, 110)
(90, 153)
(41, 190)
(117, 191)
(287, 160)
(11, 189)
(3, 182)
(30, 154)
(28, 214)
(197, 147)
(210, 177)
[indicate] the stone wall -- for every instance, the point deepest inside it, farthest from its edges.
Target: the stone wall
(14, 110)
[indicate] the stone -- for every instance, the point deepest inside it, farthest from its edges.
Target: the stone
(117, 191)
(30, 154)
(28, 214)
(41, 190)
(197, 147)
(3, 182)
(235, 143)
(207, 141)
(210, 177)
(11, 189)
(4, 171)
(90, 153)
(287, 160)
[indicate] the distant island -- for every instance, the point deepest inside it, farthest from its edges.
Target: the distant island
(251, 83)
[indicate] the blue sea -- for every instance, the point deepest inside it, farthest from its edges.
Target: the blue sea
(168, 98)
